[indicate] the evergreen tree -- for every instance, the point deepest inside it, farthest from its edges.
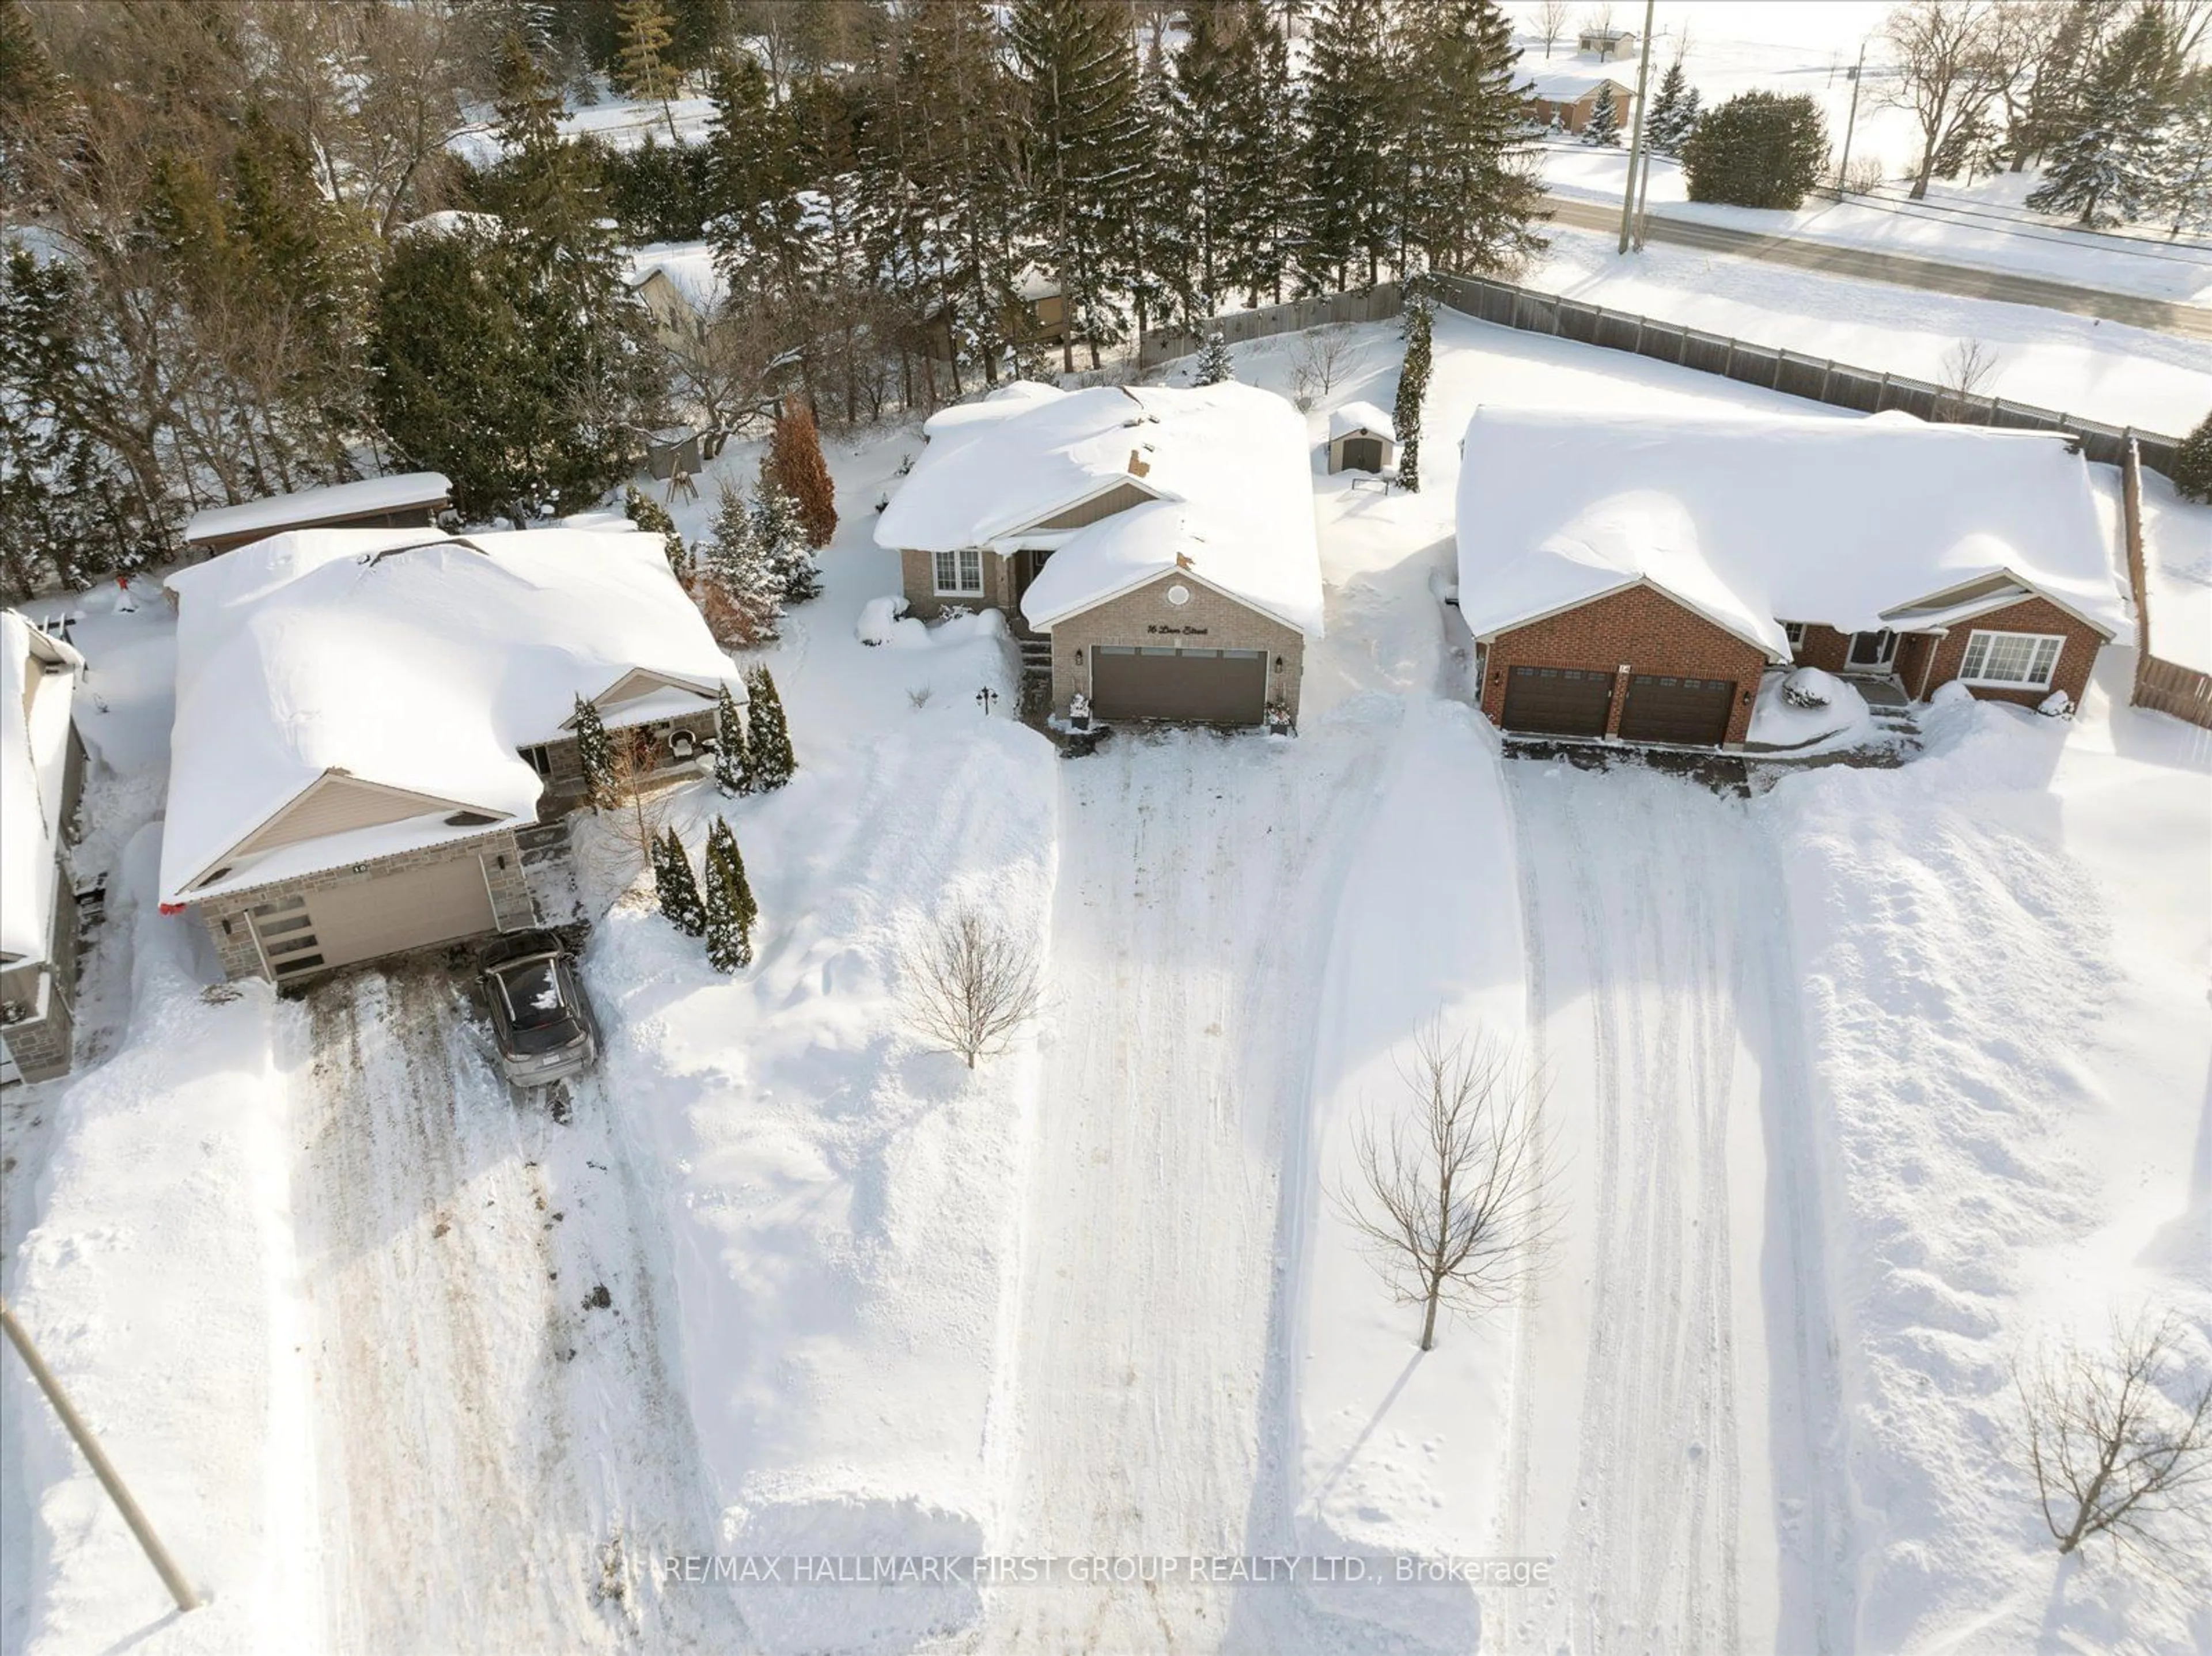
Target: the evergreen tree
(782, 542)
(769, 736)
(733, 759)
(595, 753)
(752, 183)
(1262, 137)
(2184, 189)
(1603, 126)
(676, 887)
(1413, 389)
(1661, 128)
(2103, 165)
(645, 69)
(2192, 462)
(1345, 149)
(1757, 149)
(730, 909)
(1196, 194)
(794, 458)
(2060, 73)
(1467, 194)
(651, 518)
(1214, 364)
(739, 590)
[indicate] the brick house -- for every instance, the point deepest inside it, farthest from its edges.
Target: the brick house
(1567, 98)
(366, 720)
(1633, 579)
(1162, 541)
(41, 777)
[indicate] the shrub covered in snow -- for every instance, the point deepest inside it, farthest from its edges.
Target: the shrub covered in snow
(1808, 686)
(879, 619)
(2057, 705)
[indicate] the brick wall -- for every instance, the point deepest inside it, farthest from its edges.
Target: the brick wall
(41, 1045)
(1210, 621)
(918, 581)
(1823, 647)
(2028, 615)
(1639, 629)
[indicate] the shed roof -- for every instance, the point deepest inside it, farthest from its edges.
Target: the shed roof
(305, 508)
(1355, 417)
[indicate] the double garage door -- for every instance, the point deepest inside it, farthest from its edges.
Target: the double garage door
(1208, 687)
(312, 932)
(1579, 702)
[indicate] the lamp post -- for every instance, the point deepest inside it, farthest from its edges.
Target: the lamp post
(987, 698)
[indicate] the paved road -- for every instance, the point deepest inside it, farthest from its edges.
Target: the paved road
(1866, 264)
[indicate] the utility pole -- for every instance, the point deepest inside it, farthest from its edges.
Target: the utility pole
(1643, 198)
(182, 1591)
(1843, 168)
(1635, 131)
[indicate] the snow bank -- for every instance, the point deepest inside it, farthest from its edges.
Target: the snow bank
(843, 1201)
(160, 1285)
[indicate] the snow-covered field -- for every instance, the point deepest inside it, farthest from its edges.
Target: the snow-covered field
(1859, 1084)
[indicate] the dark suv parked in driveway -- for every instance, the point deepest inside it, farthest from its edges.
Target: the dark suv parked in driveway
(544, 1026)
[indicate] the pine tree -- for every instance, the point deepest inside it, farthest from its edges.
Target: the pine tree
(794, 457)
(768, 734)
(595, 753)
(1468, 196)
(676, 887)
(1673, 113)
(733, 758)
(1196, 178)
(652, 518)
(782, 542)
(738, 590)
(1214, 364)
(644, 70)
(2103, 166)
(1345, 149)
(1261, 139)
(1603, 126)
(2192, 462)
(1413, 389)
(1757, 149)
(2184, 188)
(752, 183)
(730, 908)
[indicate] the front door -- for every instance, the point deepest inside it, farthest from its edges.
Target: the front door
(1025, 563)
(1871, 652)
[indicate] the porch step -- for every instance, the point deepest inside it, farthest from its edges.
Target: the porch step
(1036, 657)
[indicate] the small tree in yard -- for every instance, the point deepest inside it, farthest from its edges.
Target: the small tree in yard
(596, 755)
(2118, 1443)
(1604, 124)
(1672, 113)
(1968, 366)
(1757, 150)
(1412, 387)
(651, 518)
(2192, 462)
(729, 907)
(970, 983)
(1450, 1196)
(1214, 365)
(794, 459)
(635, 811)
(676, 887)
(783, 540)
(740, 594)
(733, 754)
(768, 733)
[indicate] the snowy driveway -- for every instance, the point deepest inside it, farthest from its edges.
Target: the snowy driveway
(1674, 1410)
(1197, 887)
(498, 1449)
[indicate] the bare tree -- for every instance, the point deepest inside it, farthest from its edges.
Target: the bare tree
(970, 983)
(2115, 1452)
(1450, 1196)
(1551, 23)
(638, 808)
(1947, 71)
(1317, 361)
(1967, 364)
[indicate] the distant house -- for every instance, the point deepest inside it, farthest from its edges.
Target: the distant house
(1361, 438)
(681, 288)
(409, 500)
(1632, 578)
(41, 775)
(1606, 45)
(1036, 315)
(1567, 98)
(1162, 540)
(367, 720)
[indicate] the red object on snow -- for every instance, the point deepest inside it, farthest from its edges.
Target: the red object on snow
(172, 908)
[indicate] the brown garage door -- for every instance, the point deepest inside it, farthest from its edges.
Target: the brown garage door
(1211, 686)
(1693, 712)
(383, 916)
(1558, 701)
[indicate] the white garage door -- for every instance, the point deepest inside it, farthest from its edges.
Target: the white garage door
(386, 916)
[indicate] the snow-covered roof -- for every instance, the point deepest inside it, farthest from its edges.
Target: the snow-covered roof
(1355, 417)
(34, 724)
(690, 268)
(1569, 86)
(307, 507)
(1234, 455)
(402, 661)
(1856, 524)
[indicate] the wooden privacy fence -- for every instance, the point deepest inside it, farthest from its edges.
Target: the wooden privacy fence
(2163, 686)
(1376, 304)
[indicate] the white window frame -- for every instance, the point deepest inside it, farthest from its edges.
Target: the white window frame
(957, 562)
(2051, 669)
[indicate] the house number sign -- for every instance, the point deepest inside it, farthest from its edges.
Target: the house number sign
(1181, 632)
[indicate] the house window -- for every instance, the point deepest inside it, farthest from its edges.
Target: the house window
(2021, 660)
(960, 574)
(1795, 632)
(539, 759)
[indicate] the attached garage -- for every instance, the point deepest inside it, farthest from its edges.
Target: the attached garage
(306, 932)
(1206, 687)
(1691, 712)
(1558, 701)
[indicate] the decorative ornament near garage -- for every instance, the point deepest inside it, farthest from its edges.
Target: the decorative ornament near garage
(1178, 595)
